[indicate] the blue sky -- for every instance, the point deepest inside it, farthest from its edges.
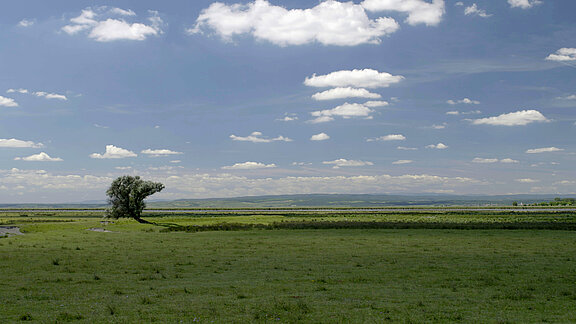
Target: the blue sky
(287, 97)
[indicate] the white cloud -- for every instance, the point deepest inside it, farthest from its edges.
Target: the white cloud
(373, 104)
(26, 23)
(519, 118)
(404, 148)
(320, 137)
(366, 78)
(249, 166)
(42, 94)
(492, 160)
(347, 163)
(321, 119)
(8, 102)
(50, 95)
(563, 55)
(399, 162)
(15, 143)
(474, 11)
(288, 118)
(256, 137)
(345, 111)
(102, 28)
(544, 150)
(482, 160)
(35, 180)
(443, 126)
(466, 101)
(40, 157)
(122, 12)
(524, 4)
(113, 152)
(456, 113)
(161, 152)
(391, 137)
(439, 146)
(459, 3)
(526, 180)
(231, 185)
(419, 11)
(123, 168)
(328, 23)
(570, 97)
(342, 93)
(17, 90)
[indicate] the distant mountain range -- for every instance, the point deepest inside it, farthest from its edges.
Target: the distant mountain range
(321, 200)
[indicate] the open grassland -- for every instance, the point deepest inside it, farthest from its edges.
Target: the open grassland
(61, 272)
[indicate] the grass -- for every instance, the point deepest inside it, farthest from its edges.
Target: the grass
(59, 272)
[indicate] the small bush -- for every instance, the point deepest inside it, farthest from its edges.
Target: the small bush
(26, 317)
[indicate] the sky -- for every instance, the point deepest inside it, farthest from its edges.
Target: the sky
(241, 98)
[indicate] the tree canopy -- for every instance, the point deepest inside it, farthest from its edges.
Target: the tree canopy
(126, 196)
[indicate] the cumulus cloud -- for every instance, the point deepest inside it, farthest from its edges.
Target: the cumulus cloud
(439, 146)
(234, 185)
(391, 137)
(526, 180)
(42, 94)
(26, 23)
(523, 4)
(34, 180)
(563, 55)
(419, 11)
(17, 90)
(544, 150)
(40, 157)
(345, 111)
(493, 160)
(16, 143)
(519, 118)
(8, 102)
(158, 153)
(366, 78)
(473, 10)
(288, 118)
(249, 166)
(50, 95)
(100, 25)
(570, 97)
(256, 137)
(347, 163)
(342, 93)
(328, 23)
(404, 148)
(320, 137)
(402, 162)
(466, 101)
(378, 103)
(113, 152)
(456, 112)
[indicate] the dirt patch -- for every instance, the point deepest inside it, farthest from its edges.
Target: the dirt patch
(10, 230)
(98, 229)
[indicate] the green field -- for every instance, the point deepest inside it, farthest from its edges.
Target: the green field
(61, 272)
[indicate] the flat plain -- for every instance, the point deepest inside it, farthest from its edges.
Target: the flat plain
(65, 268)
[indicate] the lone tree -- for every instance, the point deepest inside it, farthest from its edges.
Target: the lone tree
(126, 195)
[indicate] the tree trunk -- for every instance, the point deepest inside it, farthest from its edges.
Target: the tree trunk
(143, 221)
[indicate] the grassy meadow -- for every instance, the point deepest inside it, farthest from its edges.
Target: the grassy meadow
(59, 271)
